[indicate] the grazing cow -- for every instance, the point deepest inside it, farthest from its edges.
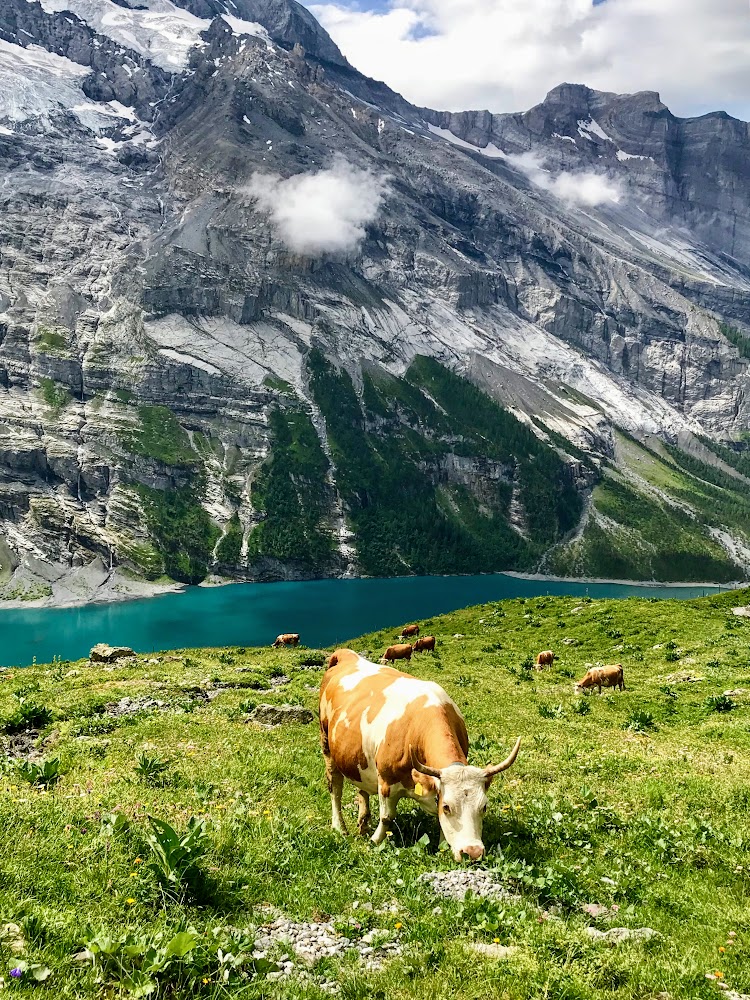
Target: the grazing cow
(402, 651)
(599, 677)
(287, 639)
(408, 631)
(426, 644)
(396, 737)
(545, 659)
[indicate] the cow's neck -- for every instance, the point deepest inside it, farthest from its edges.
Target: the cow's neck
(442, 749)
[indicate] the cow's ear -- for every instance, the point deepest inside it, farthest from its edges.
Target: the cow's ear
(488, 781)
(429, 785)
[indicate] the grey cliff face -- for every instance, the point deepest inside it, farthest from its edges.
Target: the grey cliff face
(152, 320)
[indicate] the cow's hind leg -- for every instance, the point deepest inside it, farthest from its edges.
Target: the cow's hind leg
(335, 781)
(388, 804)
(336, 788)
(363, 819)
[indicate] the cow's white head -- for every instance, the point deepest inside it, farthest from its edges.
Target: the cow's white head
(462, 801)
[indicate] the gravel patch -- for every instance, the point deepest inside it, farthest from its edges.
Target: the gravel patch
(143, 703)
(455, 884)
(310, 942)
(22, 746)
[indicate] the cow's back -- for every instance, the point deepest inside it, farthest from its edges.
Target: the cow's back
(370, 716)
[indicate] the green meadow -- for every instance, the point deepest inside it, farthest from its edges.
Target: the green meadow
(143, 852)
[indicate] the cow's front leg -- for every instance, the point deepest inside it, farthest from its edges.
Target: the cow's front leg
(363, 818)
(388, 803)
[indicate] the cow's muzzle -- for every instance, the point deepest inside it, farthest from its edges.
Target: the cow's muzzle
(473, 851)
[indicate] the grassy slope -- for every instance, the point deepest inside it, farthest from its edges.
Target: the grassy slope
(662, 813)
(651, 518)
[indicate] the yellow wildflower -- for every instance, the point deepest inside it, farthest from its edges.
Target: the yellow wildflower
(130, 901)
(399, 926)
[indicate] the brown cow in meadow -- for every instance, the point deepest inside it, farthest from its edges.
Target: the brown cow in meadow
(545, 659)
(287, 639)
(408, 631)
(599, 677)
(401, 651)
(394, 736)
(425, 644)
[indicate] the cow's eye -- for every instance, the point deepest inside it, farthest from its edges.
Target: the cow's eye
(484, 808)
(446, 810)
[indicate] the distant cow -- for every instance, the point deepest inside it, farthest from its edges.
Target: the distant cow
(396, 737)
(545, 659)
(287, 639)
(426, 644)
(599, 677)
(402, 651)
(409, 630)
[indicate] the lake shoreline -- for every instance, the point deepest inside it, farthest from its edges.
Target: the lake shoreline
(598, 581)
(94, 585)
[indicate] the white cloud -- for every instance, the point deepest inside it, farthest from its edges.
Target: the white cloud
(505, 55)
(322, 212)
(583, 188)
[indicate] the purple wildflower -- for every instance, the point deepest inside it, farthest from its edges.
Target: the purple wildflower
(16, 973)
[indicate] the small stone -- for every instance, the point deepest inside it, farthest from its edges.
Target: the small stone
(617, 935)
(11, 936)
(498, 951)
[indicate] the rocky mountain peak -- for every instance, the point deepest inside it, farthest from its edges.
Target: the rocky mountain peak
(286, 21)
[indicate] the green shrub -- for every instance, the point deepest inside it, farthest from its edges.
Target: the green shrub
(720, 703)
(56, 396)
(639, 721)
(47, 773)
(175, 856)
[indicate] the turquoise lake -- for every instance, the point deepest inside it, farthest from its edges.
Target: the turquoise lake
(324, 612)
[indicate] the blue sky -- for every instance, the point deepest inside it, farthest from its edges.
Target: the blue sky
(505, 55)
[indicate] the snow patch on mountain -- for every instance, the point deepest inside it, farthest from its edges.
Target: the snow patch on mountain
(622, 156)
(591, 127)
(490, 149)
(159, 30)
(34, 82)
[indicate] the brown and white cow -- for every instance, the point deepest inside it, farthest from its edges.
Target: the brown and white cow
(395, 736)
(426, 644)
(599, 677)
(402, 651)
(409, 631)
(545, 659)
(287, 639)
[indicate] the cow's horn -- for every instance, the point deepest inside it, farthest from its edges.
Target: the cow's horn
(423, 768)
(492, 771)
